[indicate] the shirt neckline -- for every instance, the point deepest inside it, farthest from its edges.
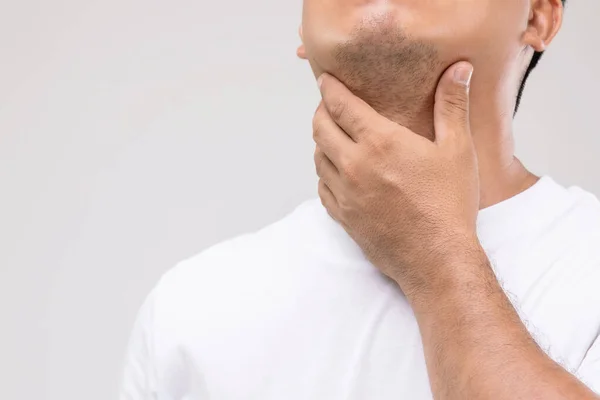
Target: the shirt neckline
(495, 223)
(529, 208)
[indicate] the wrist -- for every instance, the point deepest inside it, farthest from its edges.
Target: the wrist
(458, 276)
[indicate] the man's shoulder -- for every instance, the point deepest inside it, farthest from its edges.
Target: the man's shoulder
(229, 285)
(551, 212)
(584, 202)
(581, 218)
(253, 247)
(232, 266)
(569, 231)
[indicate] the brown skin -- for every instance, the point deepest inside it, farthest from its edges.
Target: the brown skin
(406, 179)
(497, 37)
(411, 204)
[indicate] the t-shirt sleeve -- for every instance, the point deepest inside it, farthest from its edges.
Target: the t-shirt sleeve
(589, 371)
(138, 380)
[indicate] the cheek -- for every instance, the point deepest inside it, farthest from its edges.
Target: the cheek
(457, 37)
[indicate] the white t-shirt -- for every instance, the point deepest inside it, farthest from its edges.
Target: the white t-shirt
(295, 311)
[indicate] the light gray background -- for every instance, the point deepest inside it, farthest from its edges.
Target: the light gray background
(134, 134)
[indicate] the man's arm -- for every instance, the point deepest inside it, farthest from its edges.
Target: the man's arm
(411, 205)
(476, 346)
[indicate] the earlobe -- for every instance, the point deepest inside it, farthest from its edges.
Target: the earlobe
(545, 20)
(533, 39)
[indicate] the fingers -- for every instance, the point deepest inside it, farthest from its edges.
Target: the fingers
(349, 112)
(331, 139)
(327, 171)
(328, 199)
(451, 113)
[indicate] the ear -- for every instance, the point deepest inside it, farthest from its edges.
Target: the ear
(301, 52)
(545, 20)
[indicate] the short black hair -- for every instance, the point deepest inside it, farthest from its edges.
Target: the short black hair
(534, 62)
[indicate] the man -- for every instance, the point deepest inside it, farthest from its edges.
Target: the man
(434, 265)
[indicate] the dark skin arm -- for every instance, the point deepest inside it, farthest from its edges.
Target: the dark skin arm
(477, 347)
(411, 204)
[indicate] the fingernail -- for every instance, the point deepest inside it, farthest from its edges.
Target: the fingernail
(463, 75)
(320, 81)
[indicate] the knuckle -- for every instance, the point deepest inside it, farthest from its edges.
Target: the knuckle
(317, 129)
(360, 124)
(322, 197)
(338, 109)
(317, 122)
(346, 166)
(317, 165)
(456, 109)
(318, 153)
(350, 172)
(345, 207)
(457, 101)
(342, 200)
(322, 190)
(379, 145)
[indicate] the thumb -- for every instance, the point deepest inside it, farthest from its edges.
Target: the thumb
(451, 112)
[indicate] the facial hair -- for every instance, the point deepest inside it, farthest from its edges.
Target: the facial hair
(394, 73)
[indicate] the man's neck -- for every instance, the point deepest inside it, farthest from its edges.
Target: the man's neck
(501, 174)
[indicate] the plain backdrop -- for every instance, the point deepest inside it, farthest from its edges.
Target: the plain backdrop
(134, 134)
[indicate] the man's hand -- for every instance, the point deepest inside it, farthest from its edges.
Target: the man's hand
(410, 203)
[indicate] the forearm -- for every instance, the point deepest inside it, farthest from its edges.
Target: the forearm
(476, 346)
